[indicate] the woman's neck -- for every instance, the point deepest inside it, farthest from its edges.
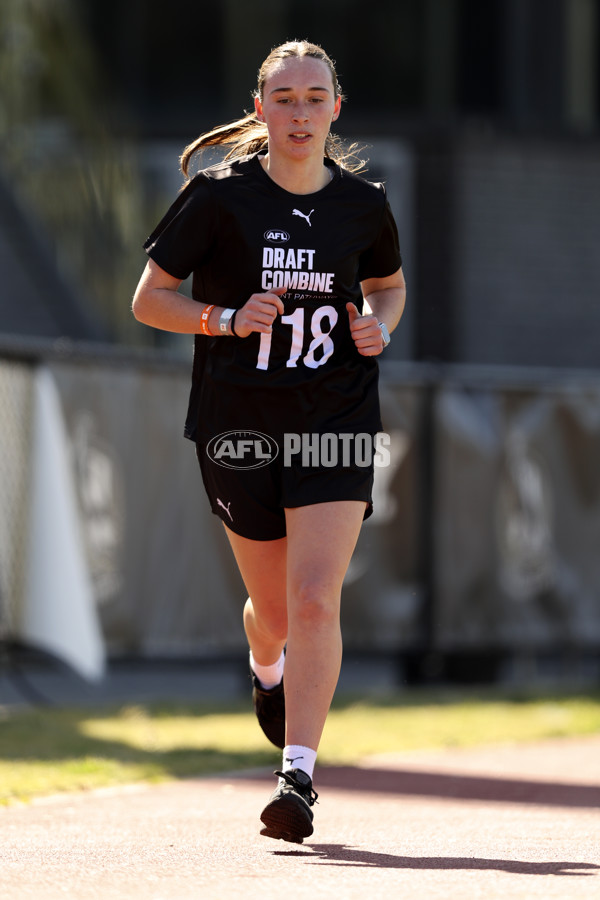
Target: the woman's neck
(302, 177)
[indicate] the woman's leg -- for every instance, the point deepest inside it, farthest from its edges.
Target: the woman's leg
(262, 565)
(295, 586)
(320, 542)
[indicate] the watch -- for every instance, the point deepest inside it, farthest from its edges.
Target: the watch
(225, 321)
(384, 333)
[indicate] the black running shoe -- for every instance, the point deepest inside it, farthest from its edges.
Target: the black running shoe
(269, 707)
(288, 815)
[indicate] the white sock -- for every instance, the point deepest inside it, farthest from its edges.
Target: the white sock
(268, 676)
(298, 757)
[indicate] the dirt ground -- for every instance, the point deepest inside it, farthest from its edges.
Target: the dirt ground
(501, 822)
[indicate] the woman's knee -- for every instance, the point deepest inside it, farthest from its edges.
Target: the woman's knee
(314, 602)
(270, 619)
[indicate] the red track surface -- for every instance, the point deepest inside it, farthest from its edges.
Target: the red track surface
(509, 822)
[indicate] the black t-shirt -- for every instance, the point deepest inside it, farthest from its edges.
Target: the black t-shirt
(240, 233)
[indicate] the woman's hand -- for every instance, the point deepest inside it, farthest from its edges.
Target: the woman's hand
(258, 313)
(365, 332)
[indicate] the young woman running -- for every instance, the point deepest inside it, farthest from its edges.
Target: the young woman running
(297, 284)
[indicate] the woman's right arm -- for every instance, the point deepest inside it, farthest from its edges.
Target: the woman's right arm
(158, 303)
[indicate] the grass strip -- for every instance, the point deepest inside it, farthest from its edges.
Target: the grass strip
(44, 750)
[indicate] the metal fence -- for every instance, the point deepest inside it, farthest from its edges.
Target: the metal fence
(483, 540)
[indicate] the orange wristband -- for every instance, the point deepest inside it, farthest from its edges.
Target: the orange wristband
(204, 320)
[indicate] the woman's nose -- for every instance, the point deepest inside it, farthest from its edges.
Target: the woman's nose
(300, 114)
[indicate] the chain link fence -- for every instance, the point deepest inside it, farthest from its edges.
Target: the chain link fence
(16, 415)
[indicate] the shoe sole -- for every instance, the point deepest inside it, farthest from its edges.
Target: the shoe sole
(273, 731)
(275, 735)
(285, 821)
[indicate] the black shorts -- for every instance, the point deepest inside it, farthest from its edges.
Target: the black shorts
(252, 502)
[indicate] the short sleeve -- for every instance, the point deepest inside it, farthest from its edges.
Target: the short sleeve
(383, 257)
(181, 242)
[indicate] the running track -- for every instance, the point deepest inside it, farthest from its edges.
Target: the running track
(502, 822)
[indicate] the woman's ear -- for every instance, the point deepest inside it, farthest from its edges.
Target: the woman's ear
(258, 109)
(337, 109)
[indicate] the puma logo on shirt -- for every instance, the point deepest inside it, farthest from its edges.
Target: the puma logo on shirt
(296, 212)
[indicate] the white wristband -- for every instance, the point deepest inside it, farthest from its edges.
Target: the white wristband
(384, 334)
(225, 321)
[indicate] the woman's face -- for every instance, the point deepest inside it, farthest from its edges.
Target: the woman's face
(298, 106)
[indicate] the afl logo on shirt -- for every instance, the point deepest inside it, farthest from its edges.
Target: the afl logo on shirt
(242, 450)
(276, 236)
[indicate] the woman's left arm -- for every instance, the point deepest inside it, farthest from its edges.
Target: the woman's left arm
(384, 302)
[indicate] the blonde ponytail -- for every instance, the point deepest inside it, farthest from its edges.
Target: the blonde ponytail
(247, 136)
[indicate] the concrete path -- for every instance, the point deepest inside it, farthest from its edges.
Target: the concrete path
(502, 822)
